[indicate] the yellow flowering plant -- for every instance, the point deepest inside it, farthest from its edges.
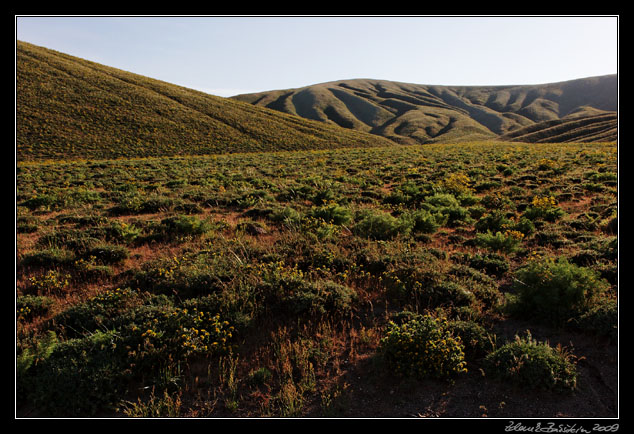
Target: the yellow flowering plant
(423, 347)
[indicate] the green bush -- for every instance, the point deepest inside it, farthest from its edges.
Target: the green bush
(78, 377)
(477, 341)
(440, 200)
(601, 319)
(186, 225)
(507, 242)
(288, 216)
(556, 290)
(96, 313)
(29, 306)
(544, 208)
(494, 222)
(322, 297)
(426, 222)
(381, 225)
(336, 214)
(529, 363)
(121, 231)
(423, 347)
(186, 276)
(108, 254)
(492, 264)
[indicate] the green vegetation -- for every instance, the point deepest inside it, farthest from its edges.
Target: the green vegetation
(180, 254)
(242, 285)
(529, 363)
(581, 110)
(72, 108)
(423, 347)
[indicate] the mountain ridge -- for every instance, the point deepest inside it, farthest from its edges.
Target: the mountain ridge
(416, 114)
(68, 108)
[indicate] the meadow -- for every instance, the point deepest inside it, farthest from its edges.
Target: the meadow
(388, 281)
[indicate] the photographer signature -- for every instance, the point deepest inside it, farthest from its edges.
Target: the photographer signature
(551, 427)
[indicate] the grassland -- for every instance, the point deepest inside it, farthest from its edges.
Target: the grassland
(313, 283)
(68, 108)
(583, 110)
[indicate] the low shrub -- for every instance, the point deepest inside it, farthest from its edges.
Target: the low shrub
(321, 297)
(556, 290)
(423, 347)
(186, 225)
(426, 222)
(289, 216)
(52, 282)
(507, 242)
(477, 341)
(544, 208)
(529, 363)
(108, 253)
(30, 306)
(601, 319)
(381, 225)
(333, 213)
(78, 377)
(48, 257)
(492, 264)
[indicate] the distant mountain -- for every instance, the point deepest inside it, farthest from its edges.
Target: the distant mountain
(576, 110)
(67, 107)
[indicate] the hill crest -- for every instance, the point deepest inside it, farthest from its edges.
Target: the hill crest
(413, 113)
(68, 107)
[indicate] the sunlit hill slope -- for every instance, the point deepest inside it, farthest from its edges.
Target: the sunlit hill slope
(67, 107)
(576, 110)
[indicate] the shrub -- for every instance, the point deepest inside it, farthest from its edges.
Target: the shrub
(78, 377)
(336, 214)
(601, 319)
(187, 276)
(186, 225)
(48, 257)
(449, 293)
(93, 314)
(288, 216)
(29, 306)
(544, 208)
(496, 201)
(556, 290)
(507, 242)
(381, 225)
(423, 347)
(456, 183)
(51, 282)
(425, 222)
(121, 231)
(108, 254)
(322, 297)
(529, 363)
(492, 264)
(494, 222)
(475, 338)
(440, 200)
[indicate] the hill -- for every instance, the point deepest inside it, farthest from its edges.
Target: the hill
(582, 110)
(67, 107)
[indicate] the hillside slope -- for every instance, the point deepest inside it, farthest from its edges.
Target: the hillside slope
(67, 107)
(412, 113)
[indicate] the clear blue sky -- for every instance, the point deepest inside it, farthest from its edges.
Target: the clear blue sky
(230, 55)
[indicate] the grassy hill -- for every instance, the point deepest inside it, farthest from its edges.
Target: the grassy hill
(412, 113)
(67, 107)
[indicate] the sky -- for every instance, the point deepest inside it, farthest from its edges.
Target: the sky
(230, 55)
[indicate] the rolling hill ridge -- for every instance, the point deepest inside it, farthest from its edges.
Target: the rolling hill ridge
(581, 110)
(67, 107)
